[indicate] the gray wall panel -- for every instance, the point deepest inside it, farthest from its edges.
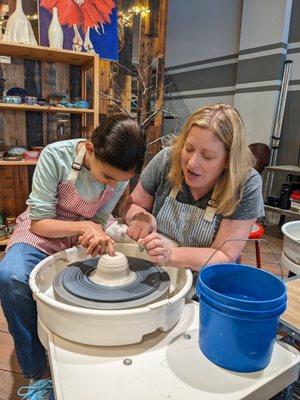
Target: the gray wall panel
(205, 78)
(290, 134)
(294, 34)
(258, 69)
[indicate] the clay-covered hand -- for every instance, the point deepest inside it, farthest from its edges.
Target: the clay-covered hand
(143, 224)
(157, 248)
(95, 240)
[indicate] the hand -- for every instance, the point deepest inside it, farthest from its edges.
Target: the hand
(95, 240)
(143, 224)
(157, 248)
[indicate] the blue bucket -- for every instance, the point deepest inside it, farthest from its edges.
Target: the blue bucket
(240, 308)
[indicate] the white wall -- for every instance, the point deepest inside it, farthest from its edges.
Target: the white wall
(202, 36)
(202, 29)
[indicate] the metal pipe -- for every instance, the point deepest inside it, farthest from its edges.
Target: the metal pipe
(278, 122)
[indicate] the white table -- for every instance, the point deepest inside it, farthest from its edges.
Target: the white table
(164, 366)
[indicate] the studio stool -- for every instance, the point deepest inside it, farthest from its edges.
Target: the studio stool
(256, 233)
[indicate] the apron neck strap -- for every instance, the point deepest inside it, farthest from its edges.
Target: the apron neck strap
(211, 208)
(174, 193)
(76, 166)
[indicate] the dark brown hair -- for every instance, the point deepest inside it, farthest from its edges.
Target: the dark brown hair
(120, 142)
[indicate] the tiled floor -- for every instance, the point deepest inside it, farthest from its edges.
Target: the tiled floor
(10, 375)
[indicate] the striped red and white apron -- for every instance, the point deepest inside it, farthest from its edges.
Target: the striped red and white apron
(70, 207)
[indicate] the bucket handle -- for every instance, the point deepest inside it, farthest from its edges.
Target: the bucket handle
(247, 240)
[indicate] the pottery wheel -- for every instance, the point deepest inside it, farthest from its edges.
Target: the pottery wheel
(73, 285)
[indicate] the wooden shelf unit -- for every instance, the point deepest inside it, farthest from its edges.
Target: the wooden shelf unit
(27, 107)
(15, 180)
(286, 169)
(41, 53)
(283, 169)
(20, 163)
(288, 213)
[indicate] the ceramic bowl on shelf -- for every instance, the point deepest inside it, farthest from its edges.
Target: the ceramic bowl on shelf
(11, 99)
(30, 100)
(16, 151)
(31, 155)
(80, 104)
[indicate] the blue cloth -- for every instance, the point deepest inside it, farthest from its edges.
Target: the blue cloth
(19, 307)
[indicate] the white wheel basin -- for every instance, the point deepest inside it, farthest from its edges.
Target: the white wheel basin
(105, 327)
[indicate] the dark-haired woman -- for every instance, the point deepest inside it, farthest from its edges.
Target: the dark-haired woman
(76, 185)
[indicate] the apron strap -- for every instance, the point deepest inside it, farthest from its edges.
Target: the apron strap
(210, 210)
(174, 193)
(76, 166)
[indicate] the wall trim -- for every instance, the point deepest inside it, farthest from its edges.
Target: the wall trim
(263, 48)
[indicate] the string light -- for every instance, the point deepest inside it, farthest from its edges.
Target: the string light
(33, 16)
(127, 16)
(139, 10)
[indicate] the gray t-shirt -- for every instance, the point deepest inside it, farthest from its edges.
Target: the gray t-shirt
(154, 181)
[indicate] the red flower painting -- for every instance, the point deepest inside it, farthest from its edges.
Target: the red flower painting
(84, 14)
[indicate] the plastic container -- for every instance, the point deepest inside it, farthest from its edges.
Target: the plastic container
(291, 240)
(295, 201)
(240, 308)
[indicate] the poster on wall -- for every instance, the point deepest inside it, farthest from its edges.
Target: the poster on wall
(80, 25)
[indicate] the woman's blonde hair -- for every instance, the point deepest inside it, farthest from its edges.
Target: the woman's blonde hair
(226, 123)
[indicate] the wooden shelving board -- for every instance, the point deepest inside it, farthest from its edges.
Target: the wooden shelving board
(17, 163)
(45, 54)
(26, 107)
(289, 213)
(4, 242)
(288, 169)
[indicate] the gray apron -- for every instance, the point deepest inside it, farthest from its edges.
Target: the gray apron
(189, 225)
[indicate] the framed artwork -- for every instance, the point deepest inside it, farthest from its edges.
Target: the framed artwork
(80, 25)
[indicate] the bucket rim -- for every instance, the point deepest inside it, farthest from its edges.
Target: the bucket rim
(282, 297)
(286, 233)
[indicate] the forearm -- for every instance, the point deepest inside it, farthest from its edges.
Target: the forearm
(195, 258)
(53, 228)
(131, 210)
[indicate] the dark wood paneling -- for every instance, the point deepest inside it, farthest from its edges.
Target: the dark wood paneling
(14, 181)
(48, 79)
(34, 120)
(75, 92)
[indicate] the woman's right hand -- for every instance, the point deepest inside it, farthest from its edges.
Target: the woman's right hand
(95, 240)
(142, 225)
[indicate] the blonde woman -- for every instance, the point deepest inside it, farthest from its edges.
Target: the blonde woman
(200, 192)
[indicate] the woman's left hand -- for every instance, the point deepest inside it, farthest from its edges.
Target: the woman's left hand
(157, 248)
